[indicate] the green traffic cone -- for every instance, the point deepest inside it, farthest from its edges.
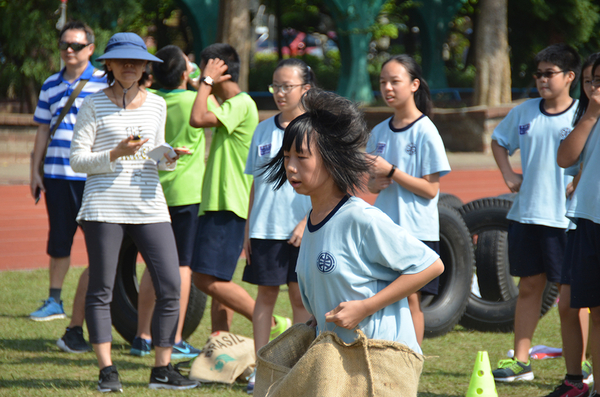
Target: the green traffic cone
(482, 381)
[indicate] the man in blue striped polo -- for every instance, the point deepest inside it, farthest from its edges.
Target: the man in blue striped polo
(62, 187)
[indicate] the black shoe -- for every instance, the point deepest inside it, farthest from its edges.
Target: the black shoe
(109, 380)
(169, 378)
(73, 341)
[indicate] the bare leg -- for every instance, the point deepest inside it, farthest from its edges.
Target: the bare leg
(78, 316)
(229, 295)
(414, 304)
(585, 324)
(146, 302)
(571, 332)
(527, 313)
(595, 344)
(298, 309)
(102, 351)
(162, 356)
(58, 270)
(221, 316)
(186, 284)
(263, 314)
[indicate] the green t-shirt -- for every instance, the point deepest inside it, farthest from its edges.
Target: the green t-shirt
(184, 185)
(226, 187)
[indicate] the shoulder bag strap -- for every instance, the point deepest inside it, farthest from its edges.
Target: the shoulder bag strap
(67, 106)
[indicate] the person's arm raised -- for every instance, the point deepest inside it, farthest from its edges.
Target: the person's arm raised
(570, 149)
(212, 74)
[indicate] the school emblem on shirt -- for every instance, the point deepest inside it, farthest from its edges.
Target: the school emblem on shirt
(524, 128)
(264, 150)
(380, 148)
(564, 133)
(325, 262)
(411, 148)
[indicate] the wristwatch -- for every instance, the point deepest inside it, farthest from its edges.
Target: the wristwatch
(207, 80)
(392, 171)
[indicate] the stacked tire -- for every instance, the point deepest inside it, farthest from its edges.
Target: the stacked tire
(493, 296)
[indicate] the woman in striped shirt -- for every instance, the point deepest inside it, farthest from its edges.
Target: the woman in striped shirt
(114, 132)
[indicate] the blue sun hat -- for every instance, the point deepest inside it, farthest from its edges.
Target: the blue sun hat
(127, 46)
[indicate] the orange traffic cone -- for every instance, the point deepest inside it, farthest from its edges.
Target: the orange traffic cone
(482, 381)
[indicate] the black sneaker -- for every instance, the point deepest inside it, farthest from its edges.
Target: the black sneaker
(109, 380)
(169, 378)
(73, 341)
(569, 389)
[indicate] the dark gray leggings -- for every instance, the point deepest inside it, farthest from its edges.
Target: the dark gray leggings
(156, 243)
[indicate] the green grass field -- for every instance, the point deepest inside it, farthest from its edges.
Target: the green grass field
(32, 365)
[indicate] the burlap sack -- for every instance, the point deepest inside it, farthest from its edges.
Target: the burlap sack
(292, 366)
(224, 358)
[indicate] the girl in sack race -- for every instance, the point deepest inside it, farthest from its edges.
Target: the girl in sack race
(356, 267)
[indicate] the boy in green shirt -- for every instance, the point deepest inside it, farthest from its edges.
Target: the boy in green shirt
(225, 190)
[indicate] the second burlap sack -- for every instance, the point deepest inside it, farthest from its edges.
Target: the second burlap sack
(298, 364)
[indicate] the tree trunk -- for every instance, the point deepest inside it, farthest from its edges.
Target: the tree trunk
(493, 79)
(234, 29)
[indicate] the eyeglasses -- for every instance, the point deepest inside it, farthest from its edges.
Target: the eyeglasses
(547, 74)
(63, 45)
(273, 88)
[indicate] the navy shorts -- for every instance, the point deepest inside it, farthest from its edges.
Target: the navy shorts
(219, 243)
(184, 221)
(565, 274)
(273, 263)
(585, 269)
(63, 200)
(536, 249)
(431, 288)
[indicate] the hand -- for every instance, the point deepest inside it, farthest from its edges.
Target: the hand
(312, 322)
(513, 181)
(570, 189)
(379, 166)
(594, 102)
(247, 248)
(179, 152)
(37, 182)
(348, 314)
(377, 184)
(216, 69)
(127, 147)
(297, 234)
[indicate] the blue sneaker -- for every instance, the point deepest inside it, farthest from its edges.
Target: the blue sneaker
(184, 350)
(251, 382)
(50, 310)
(140, 347)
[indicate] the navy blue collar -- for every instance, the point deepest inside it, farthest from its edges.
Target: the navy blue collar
(313, 228)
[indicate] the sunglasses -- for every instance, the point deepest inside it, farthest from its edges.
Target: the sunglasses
(547, 74)
(63, 45)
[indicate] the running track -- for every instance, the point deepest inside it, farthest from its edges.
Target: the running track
(24, 226)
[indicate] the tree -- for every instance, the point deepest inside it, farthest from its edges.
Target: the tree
(535, 24)
(493, 78)
(234, 29)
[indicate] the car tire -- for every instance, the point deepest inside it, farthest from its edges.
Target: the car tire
(125, 297)
(443, 311)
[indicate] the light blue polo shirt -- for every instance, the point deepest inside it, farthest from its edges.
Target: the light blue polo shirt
(418, 150)
(528, 127)
(275, 213)
(352, 255)
(53, 97)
